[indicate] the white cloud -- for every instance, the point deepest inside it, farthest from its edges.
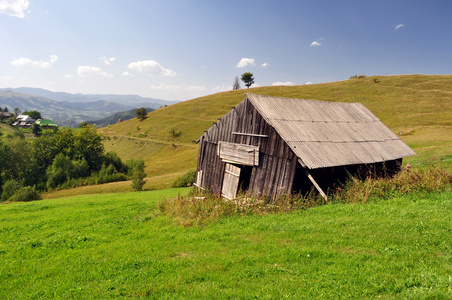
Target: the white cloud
(283, 83)
(173, 87)
(106, 60)
(127, 74)
(315, 44)
(308, 82)
(265, 65)
(166, 87)
(244, 62)
(398, 26)
(14, 8)
(25, 62)
(150, 67)
(92, 71)
(197, 88)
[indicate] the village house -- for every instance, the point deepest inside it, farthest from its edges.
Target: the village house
(24, 121)
(272, 145)
(4, 115)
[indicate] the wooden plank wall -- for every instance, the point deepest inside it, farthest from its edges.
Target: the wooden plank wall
(277, 162)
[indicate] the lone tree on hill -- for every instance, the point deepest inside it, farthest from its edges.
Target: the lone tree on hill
(236, 85)
(141, 113)
(248, 79)
(16, 112)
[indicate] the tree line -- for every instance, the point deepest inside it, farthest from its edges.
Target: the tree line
(64, 159)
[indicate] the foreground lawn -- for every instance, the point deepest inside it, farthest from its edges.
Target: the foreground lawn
(119, 245)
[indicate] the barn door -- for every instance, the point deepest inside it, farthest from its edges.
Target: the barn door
(230, 181)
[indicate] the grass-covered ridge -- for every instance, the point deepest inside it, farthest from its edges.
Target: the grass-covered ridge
(418, 107)
(121, 245)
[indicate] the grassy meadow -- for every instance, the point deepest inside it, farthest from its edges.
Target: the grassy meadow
(122, 246)
(105, 241)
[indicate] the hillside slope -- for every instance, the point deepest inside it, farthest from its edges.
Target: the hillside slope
(417, 107)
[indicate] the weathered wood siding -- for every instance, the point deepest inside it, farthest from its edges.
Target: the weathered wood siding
(244, 125)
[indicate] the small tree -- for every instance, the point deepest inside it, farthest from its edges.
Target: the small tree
(141, 113)
(16, 112)
(136, 171)
(36, 129)
(236, 85)
(248, 79)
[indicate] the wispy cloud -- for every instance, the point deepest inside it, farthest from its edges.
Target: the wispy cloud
(106, 60)
(174, 87)
(26, 62)
(93, 71)
(127, 74)
(315, 44)
(265, 65)
(150, 67)
(244, 62)
(166, 87)
(398, 26)
(283, 83)
(14, 8)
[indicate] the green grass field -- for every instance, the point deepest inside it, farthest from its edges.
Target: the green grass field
(121, 246)
(118, 244)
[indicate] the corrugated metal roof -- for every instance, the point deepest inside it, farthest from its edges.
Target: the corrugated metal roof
(326, 134)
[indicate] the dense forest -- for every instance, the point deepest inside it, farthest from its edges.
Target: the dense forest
(59, 159)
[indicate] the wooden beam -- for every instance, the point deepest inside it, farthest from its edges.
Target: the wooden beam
(250, 134)
(317, 186)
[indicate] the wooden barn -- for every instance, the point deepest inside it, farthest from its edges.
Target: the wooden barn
(272, 145)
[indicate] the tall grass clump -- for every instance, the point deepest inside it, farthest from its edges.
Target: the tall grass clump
(202, 207)
(425, 180)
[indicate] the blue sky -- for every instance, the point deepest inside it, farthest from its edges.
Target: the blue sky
(179, 50)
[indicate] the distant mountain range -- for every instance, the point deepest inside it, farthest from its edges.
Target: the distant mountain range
(67, 109)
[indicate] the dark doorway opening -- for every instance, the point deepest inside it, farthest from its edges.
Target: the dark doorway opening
(245, 177)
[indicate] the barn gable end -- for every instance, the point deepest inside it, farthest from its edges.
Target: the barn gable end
(262, 143)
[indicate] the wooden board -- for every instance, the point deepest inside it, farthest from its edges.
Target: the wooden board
(247, 155)
(230, 181)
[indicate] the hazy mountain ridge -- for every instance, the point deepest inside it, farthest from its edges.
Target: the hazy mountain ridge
(62, 96)
(71, 109)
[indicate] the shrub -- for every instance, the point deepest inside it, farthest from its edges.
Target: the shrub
(419, 181)
(136, 172)
(175, 132)
(113, 158)
(9, 188)
(185, 180)
(108, 174)
(61, 170)
(18, 134)
(132, 164)
(25, 194)
(138, 179)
